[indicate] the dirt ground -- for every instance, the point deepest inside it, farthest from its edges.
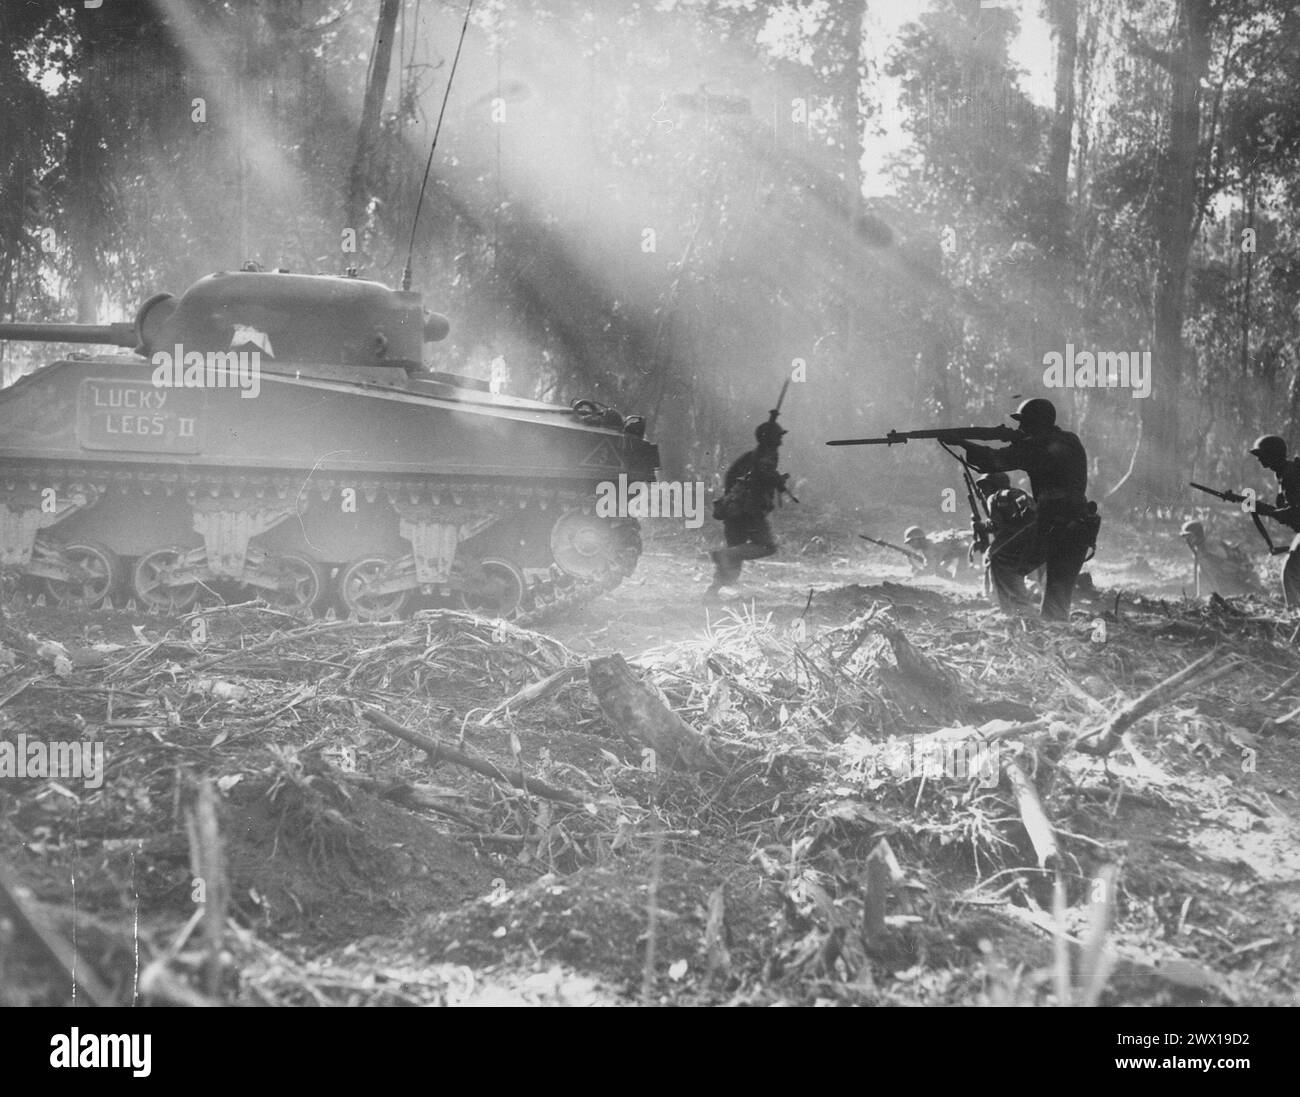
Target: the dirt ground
(258, 839)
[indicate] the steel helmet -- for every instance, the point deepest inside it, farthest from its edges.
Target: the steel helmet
(1035, 414)
(1269, 447)
(1192, 529)
(993, 481)
(913, 533)
(769, 433)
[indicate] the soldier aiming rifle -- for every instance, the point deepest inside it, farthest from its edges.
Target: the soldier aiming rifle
(1063, 531)
(917, 559)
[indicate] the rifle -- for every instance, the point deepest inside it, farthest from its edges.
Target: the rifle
(978, 514)
(946, 434)
(781, 489)
(897, 548)
(771, 415)
(1234, 497)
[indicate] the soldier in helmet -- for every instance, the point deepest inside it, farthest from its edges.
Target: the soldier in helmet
(1221, 569)
(1007, 533)
(752, 484)
(941, 553)
(1064, 528)
(1270, 451)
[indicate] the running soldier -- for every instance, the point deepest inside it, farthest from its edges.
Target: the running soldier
(752, 484)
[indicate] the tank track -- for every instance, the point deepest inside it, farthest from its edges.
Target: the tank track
(20, 480)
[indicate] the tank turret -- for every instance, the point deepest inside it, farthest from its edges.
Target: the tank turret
(291, 318)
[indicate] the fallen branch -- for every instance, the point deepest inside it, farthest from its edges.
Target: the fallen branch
(985, 733)
(439, 751)
(1095, 962)
(1103, 740)
(535, 691)
(1277, 723)
(56, 949)
(877, 886)
(282, 638)
(644, 720)
(416, 797)
(10, 694)
(1037, 825)
(914, 664)
(715, 936)
(208, 864)
(161, 985)
(1272, 695)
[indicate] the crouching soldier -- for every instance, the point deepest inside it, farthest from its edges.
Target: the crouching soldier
(1008, 532)
(941, 553)
(1064, 527)
(1220, 568)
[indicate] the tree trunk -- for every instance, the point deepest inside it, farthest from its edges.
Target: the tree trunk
(381, 56)
(1188, 62)
(87, 173)
(1084, 59)
(1248, 266)
(1064, 16)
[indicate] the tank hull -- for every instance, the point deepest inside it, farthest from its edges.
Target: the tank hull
(410, 483)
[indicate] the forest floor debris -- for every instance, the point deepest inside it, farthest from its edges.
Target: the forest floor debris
(875, 796)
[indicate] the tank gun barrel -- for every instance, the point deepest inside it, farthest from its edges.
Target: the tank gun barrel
(119, 335)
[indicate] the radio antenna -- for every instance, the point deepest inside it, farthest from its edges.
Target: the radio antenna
(451, 76)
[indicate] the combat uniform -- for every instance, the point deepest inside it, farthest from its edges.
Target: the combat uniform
(751, 484)
(1270, 450)
(944, 552)
(1221, 568)
(1010, 531)
(1064, 528)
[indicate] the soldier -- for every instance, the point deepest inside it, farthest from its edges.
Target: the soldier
(942, 552)
(1223, 569)
(752, 484)
(1007, 532)
(1064, 528)
(1270, 451)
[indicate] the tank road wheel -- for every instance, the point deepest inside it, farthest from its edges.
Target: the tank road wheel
(584, 546)
(304, 585)
(150, 582)
(101, 574)
(500, 590)
(353, 599)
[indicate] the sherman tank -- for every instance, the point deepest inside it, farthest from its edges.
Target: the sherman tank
(280, 432)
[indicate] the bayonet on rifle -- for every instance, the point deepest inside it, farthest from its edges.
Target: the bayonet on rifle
(897, 548)
(1236, 497)
(779, 401)
(947, 434)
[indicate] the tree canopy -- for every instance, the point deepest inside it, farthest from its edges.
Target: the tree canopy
(661, 204)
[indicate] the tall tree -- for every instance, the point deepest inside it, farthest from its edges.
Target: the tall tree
(381, 56)
(1176, 212)
(1064, 18)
